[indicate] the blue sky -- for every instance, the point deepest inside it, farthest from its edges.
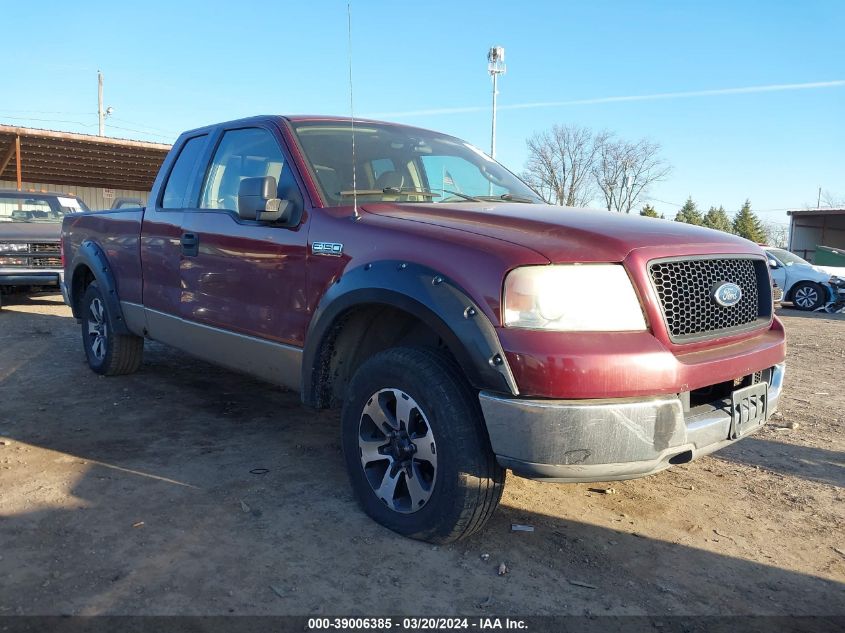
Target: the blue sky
(175, 65)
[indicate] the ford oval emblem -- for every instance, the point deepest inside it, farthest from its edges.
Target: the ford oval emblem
(727, 294)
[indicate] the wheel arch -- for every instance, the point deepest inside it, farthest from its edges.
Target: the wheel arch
(90, 264)
(390, 303)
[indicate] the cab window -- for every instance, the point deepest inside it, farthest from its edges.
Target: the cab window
(180, 176)
(245, 153)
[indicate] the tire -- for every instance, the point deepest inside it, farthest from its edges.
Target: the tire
(108, 353)
(449, 486)
(808, 296)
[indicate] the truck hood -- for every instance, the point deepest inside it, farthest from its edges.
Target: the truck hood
(30, 231)
(564, 234)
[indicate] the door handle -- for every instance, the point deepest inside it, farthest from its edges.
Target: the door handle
(190, 244)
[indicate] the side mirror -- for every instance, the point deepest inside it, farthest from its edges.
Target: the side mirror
(773, 263)
(257, 200)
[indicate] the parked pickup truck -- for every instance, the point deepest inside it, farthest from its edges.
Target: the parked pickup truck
(30, 232)
(464, 326)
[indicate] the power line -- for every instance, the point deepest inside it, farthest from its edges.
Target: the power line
(129, 129)
(80, 123)
(26, 118)
(144, 126)
(675, 204)
(45, 112)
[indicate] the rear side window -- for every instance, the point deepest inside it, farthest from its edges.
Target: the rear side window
(180, 176)
(245, 153)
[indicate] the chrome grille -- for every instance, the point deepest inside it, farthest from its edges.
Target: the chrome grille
(45, 248)
(36, 255)
(686, 287)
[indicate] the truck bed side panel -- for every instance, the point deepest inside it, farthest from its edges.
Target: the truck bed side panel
(117, 233)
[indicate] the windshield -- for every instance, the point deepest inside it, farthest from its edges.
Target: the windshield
(786, 258)
(399, 164)
(37, 209)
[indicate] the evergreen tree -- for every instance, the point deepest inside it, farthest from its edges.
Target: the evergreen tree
(689, 213)
(649, 211)
(718, 219)
(746, 224)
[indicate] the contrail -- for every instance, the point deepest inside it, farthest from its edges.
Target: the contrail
(652, 97)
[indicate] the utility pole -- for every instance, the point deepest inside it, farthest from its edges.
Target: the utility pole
(101, 115)
(495, 66)
(819, 201)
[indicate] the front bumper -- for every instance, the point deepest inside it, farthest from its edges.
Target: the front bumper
(65, 293)
(606, 440)
(30, 277)
(837, 290)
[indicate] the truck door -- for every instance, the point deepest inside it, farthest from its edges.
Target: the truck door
(161, 250)
(245, 276)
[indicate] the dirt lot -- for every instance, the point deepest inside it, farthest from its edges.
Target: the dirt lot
(142, 495)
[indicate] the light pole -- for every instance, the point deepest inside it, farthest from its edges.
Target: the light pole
(495, 66)
(623, 195)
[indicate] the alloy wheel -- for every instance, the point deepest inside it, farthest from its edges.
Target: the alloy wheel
(398, 451)
(806, 297)
(97, 328)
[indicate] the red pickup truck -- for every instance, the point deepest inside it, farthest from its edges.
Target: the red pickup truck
(464, 326)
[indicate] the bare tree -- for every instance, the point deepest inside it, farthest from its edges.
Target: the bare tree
(831, 199)
(624, 171)
(777, 234)
(560, 164)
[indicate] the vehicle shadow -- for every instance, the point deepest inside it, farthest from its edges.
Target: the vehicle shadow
(806, 462)
(46, 298)
(189, 489)
(209, 538)
(802, 314)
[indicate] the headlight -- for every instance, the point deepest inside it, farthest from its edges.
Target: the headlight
(572, 297)
(13, 247)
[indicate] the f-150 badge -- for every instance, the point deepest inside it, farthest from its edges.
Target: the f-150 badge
(327, 248)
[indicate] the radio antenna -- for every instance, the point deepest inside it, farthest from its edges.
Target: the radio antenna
(355, 214)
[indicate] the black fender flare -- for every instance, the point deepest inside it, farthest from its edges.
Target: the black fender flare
(92, 256)
(428, 295)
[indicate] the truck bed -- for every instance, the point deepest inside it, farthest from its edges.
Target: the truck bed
(118, 233)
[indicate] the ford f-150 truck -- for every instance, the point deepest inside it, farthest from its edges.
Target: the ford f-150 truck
(464, 326)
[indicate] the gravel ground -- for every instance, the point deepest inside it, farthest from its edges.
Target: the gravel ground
(188, 489)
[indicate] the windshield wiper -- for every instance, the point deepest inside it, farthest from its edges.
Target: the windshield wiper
(462, 195)
(390, 191)
(408, 190)
(508, 197)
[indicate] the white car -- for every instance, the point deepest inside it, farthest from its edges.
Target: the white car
(807, 286)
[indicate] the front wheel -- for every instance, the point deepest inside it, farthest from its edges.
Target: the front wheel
(416, 448)
(107, 352)
(808, 296)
